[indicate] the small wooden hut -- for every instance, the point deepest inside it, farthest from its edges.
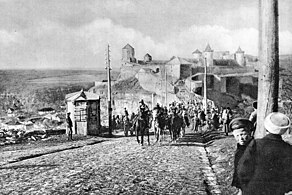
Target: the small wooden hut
(85, 112)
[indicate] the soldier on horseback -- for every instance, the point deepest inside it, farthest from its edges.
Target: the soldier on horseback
(173, 110)
(141, 124)
(160, 110)
(144, 111)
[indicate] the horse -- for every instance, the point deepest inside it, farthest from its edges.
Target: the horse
(176, 123)
(158, 123)
(141, 127)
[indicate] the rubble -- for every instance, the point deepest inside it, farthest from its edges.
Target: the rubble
(13, 136)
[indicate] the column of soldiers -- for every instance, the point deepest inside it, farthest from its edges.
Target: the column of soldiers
(192, 112)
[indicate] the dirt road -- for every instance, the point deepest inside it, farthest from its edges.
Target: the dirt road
(115, 166)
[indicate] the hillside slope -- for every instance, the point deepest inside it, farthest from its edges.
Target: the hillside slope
(33, 89)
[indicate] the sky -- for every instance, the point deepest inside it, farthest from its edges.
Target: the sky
(73, 34)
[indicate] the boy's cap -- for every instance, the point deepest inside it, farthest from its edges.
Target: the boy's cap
(239, 123)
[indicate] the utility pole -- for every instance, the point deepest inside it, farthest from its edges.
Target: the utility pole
(268, 87)
(109, 94)
(165, 86)
(205, 103)
(191, 73)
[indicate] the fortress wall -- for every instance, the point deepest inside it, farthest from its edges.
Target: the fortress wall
(173, 70)
(185, 71)
(232, 85)
(217, 84)
(154, 83)
(130, 101)
(128, 71)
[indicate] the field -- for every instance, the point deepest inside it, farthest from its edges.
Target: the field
(33, 89)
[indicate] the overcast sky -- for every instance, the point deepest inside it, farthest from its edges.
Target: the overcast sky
(74, 33)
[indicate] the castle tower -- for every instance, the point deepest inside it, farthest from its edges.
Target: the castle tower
(197, 54)
(208, 54)
(147, 58)
(239, 57)
(128, 53)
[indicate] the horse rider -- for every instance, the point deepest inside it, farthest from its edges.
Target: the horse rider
(173, 109)
(132, 117)
(144, 111)
(159, 109)
(126, 112)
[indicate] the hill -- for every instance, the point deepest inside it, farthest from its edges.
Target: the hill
(33, 89)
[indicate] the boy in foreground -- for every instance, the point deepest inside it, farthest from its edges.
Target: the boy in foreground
(241, 129)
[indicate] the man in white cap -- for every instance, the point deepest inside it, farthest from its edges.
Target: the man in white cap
(266, 165)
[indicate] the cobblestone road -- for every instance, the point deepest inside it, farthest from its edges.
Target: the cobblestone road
(115, 166)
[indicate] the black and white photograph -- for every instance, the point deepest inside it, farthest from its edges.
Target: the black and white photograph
(134, 97)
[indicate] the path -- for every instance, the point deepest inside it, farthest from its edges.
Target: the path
(115, 166)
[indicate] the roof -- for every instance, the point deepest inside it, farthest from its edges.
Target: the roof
(128, 46)
(197, 51)
(239, 50)
(208, 48)
(147, 54)
(146, 70)
(153, 62)
(178, 60)
(81, 96)
(192, 60)
(226, 62)
(46, 109)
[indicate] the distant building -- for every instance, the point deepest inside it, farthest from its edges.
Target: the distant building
(53, 117)
(47, 110)
(180, 67)
(228, 73)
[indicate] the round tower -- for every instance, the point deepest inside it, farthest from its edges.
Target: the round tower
(128, 53)
(239, 57)
(197, 54)
(208, 54)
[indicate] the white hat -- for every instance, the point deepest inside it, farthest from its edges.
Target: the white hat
(277, 123)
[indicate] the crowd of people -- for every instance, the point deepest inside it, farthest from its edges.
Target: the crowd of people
(192, 112)
(261, 166)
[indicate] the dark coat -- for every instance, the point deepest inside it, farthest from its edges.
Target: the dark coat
(69, 122)
(238, 154)
(266, 167)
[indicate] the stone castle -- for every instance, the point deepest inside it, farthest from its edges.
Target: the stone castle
(180, 79)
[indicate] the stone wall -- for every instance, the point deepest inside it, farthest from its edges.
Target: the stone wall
(128, 71)
(185, 71)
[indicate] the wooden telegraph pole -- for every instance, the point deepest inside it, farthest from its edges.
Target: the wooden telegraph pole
(165, 86)
(205, 103)
(109, 94)
(268, 86)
